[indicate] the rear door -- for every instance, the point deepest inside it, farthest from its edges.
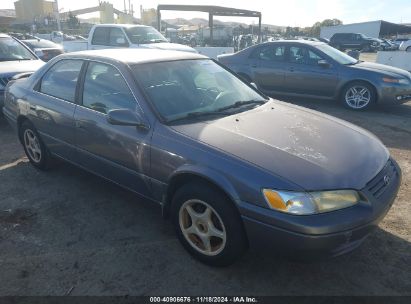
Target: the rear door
(305, 76)
(270, 67)
(54, 101)
(118, 153)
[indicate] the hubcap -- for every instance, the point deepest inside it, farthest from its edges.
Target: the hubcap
(32, 145)
(202, 227)
(358, 97)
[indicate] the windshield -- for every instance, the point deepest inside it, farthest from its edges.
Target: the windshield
(335, 54)
(39, 44)
(11, 49)
(144, 35)
(201, 87)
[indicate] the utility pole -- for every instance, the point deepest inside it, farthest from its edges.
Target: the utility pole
(57, 14)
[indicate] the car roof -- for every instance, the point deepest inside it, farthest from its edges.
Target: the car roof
(306, 42)
(135, 56)
(121, 25)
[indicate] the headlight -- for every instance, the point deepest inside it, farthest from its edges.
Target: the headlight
(304, 203)
(396, 80)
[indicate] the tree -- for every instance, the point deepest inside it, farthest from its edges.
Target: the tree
(73, 21)
(314, 31)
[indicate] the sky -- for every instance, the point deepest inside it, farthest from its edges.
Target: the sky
(277, 12)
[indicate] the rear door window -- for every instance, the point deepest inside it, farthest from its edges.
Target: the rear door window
(61, 79)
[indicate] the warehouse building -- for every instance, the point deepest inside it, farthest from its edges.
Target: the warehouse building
(373, 29)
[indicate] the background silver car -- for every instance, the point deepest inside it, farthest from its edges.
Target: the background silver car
(315, 69)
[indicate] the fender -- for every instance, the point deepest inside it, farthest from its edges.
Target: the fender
(191, 171)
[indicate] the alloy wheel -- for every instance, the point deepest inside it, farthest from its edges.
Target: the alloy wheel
(202, 227)
(32, 145)
(358, 97)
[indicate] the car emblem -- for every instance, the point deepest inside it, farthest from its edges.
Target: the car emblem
(386, 180)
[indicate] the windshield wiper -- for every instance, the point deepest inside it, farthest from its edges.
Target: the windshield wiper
(239, 104)
(198, 114)
(220, 111)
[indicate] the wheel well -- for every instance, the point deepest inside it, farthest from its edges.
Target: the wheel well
(183, 179)
(361, 81)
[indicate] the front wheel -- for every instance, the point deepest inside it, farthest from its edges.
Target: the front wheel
(358, 96)
(208, 225)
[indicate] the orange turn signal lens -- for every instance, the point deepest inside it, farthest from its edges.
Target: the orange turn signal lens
(274, 200)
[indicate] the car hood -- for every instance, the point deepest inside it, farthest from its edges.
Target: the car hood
(383, 69)
(312, 150)
(169, 46)
(9, 68)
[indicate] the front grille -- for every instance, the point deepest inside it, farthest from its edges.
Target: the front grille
(379, 184)
(4, 81)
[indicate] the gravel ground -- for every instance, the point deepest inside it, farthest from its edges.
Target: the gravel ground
(68, 232)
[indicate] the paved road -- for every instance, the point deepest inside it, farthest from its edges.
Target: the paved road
(68, 231)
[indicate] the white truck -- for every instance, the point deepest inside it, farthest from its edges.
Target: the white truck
(105, 36)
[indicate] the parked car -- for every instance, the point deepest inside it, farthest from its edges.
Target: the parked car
(44, 49)
(230, 166)
(325, 40)
(16, 60)
(405, 46)
(303, 68)
(398, 41)
(344, 41)
(387, 45)
(106, 36)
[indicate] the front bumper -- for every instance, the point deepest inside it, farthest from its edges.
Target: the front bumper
(327, 234)
(394, 94)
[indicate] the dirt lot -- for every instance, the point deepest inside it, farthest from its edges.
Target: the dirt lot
(67, 231)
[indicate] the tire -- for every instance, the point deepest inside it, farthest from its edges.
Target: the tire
(207, 224)
(358, 96)
(34, 147)
(408, 49)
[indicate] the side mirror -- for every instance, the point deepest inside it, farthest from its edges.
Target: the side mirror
(121, 41)
(324, 64)
(126, 117)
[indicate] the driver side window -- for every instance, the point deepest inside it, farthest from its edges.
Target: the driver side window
(105, 89)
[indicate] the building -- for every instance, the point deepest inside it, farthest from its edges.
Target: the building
(33, 10)
(373, 29)
(7, 17)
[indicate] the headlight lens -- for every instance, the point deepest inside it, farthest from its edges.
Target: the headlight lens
(396, 80)
(304, 203)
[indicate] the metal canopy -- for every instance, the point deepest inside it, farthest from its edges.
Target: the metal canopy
(388, 28)
(212, 11)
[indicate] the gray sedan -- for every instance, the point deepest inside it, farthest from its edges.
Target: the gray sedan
(315, 69)
(230, 167)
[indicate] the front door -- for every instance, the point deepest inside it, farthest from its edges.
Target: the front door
(119, 153)
(304, 75)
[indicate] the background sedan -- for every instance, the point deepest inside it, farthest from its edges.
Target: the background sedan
(43, 48)
(314, 69)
